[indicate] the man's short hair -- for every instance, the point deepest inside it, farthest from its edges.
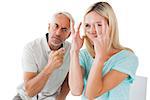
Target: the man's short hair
(68, 15)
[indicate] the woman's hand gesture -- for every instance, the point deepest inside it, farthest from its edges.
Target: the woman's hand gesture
(77, 41)
(101, 42)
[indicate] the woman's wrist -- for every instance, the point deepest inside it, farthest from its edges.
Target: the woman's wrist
(74, 51)
(101, 59)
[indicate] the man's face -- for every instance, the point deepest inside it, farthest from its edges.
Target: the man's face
(59, 30)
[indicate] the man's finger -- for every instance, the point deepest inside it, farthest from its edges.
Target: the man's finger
(61, 50)
(61, 54)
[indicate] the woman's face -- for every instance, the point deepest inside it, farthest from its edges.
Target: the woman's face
(93, 20)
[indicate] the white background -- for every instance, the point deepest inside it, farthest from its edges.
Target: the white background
(22, 21)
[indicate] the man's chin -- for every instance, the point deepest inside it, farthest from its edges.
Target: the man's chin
(56, 44)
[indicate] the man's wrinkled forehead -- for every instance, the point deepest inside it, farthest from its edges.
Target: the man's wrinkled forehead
(61, 20)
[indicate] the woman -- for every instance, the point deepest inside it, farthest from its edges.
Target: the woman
(105, 69)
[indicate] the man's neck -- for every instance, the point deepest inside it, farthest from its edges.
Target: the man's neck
(52, 47)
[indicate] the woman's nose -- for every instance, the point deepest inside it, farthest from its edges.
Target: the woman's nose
(92, 30)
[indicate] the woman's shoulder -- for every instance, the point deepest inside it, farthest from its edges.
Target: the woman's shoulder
(84, 51)
(124, 55)
(85, 54)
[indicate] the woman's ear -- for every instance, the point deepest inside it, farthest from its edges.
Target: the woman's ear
(108, 22)
(48, 26)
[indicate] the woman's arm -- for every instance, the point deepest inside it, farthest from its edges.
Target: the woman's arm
(75, 74)
(98, 85)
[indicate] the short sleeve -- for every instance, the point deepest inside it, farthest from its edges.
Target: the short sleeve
(28, 60)
(82, 59)
(127, 65)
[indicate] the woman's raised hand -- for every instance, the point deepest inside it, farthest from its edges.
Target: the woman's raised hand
(77, 41)
(101, 42)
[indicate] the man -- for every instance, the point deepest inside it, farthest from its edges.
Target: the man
(45, 63)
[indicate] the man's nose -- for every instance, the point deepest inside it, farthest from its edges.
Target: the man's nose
(58, 32)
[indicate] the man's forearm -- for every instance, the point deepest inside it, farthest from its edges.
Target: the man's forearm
(35, 85)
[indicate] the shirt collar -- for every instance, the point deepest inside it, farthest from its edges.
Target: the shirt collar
(48, 50)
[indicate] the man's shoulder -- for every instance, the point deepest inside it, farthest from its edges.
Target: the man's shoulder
(67, 43)
(35, 44)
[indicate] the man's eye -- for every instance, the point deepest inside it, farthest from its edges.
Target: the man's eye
(64, 30)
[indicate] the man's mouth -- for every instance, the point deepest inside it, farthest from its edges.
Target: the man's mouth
(57, 40)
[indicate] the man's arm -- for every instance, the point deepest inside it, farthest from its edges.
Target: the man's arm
(64, 90)
(34, 82)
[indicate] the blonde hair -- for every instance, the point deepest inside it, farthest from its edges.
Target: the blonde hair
(105, 10)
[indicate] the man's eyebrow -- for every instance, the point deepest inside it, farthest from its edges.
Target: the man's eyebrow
(64, 28)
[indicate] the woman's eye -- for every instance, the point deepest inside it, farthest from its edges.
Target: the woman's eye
(87, 25)
(99, 25)
(55, 26)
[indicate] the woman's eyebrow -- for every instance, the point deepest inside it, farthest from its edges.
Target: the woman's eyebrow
(56, 24)
(99, 22)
